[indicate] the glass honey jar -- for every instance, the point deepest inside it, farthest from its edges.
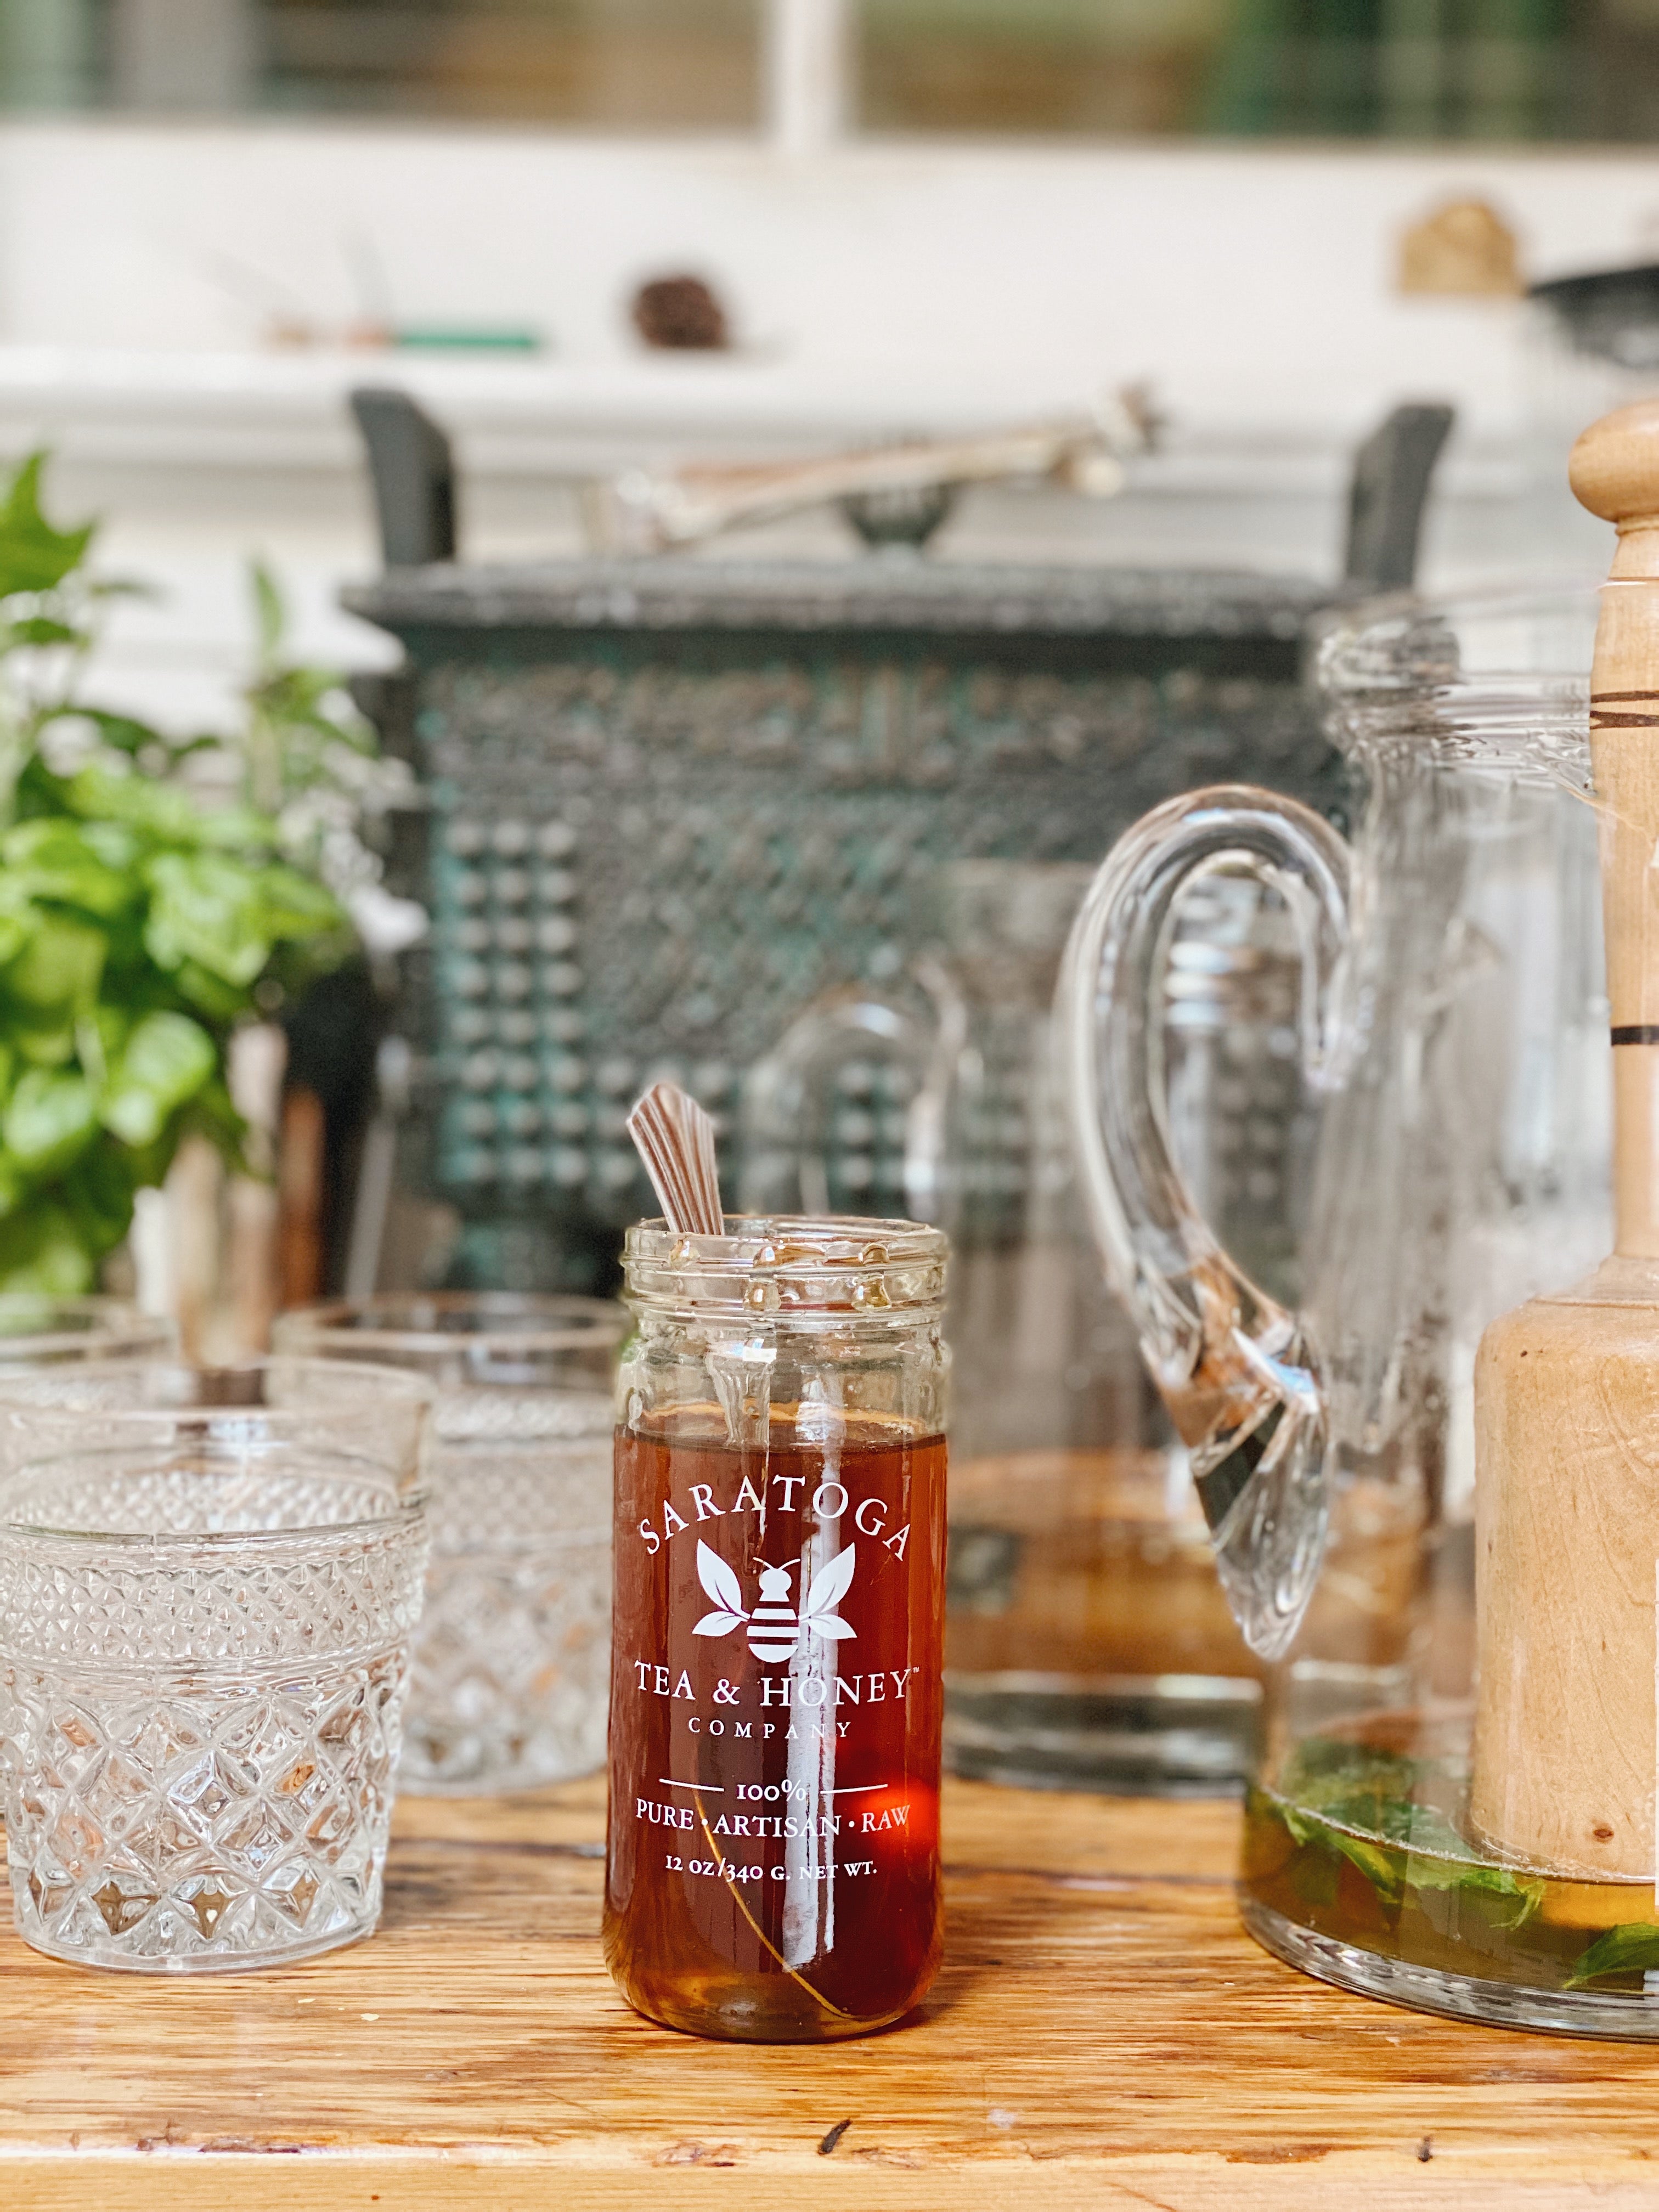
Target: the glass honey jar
(777, 1694)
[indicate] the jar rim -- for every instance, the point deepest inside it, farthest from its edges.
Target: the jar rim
(40, 1330)
(776, 1265)
(148, 1396)
(514, 1324)
(274, 1403)
(1499, 678)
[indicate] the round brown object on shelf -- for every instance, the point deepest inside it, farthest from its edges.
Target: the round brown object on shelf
(680, 314)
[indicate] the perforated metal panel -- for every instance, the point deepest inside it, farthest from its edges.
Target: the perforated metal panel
(673, 802)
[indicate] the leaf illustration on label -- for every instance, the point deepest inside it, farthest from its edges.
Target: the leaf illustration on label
(829, 1585)
(720, 1583)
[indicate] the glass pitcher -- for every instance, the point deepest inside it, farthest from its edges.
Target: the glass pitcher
(1087, 1641)
(1454, 1023)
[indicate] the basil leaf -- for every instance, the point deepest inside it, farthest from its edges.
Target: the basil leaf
(58, 968)
(210, 996)
(208, 910)
(292, 905)
(33, 556)
(162, 809)
(14, 936)
(167, 1059)
(122, 732)
(270, 614)
(48, 860)
(113, 842)
(43, 1044)
(1365, 1805)
(42, 629)
(50, 1119)
(98, 1193)
(237, 829)
(41, 1251)
(1633, 1949)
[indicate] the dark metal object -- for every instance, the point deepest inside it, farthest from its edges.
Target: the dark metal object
(386, 697)
(1251, 622)
(413, 471)
(1392, 472)
(905, 517)
(334, 1033)
(1611, 314)
(673, 799)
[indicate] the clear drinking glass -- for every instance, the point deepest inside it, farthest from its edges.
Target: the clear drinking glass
(1454, 1022)
(512, 1665)
(40, 1332)
(207, 1602)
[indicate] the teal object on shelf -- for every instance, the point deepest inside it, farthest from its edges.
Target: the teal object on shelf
(439, 338)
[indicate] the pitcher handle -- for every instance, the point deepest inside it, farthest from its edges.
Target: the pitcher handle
(1240, 1376)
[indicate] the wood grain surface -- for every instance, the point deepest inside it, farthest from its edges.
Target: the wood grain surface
(1102, 2035)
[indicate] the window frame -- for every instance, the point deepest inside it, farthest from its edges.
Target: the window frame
(806, 97)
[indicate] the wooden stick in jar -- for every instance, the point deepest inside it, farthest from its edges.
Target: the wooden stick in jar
(1567, 1387)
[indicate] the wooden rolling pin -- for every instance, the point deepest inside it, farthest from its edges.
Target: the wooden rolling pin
(1566, 1387)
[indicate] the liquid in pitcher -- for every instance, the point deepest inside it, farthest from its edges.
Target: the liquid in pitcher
(776, 1700)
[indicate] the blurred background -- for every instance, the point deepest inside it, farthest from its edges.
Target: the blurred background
(590, 248)
(918, 215)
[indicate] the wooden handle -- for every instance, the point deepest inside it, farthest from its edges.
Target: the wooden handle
(1566, 1406)
(1615, 473)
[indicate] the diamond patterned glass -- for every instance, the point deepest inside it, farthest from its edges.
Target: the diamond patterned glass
(204, 1645)
(40, 1332)
(379, 1418)
(512, 1665)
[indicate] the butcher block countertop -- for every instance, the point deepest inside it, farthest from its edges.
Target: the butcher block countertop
(1102, 2035)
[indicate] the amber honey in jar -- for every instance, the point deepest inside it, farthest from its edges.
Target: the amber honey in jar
(775, 1700)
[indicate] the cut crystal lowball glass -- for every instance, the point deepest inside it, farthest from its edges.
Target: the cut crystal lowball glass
(205, 1640)
(512, 1665)
(39, 1332)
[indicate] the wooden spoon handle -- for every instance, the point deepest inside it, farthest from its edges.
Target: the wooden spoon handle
(1615, 473)
(675, 1137)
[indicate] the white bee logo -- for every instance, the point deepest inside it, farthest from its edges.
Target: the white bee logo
(774, 1629)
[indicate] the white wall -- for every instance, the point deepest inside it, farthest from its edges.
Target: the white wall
(1253, 285)
(876, 288)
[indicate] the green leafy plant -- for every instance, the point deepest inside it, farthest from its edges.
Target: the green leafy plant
(149, 902)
